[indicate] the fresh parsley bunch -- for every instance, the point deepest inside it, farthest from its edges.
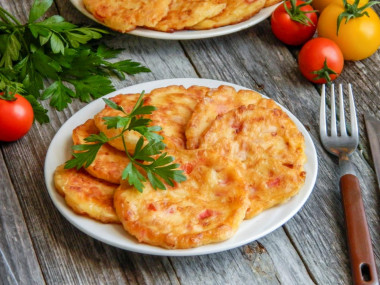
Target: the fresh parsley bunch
(148, 158)
(57, 50)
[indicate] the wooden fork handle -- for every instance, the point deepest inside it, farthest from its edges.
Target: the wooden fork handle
(359, 241)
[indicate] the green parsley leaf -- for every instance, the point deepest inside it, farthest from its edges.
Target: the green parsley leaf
(116, 122)
(84, 64)
(11, 52)
(84, 154)
(85, 157)
(40, 113)
(158, 166)
(127, 66)
(59, 95)
(134, 177)
(92, 87)
(113, 105)
(45, 65)
(38, 9)
(154, 181)
(107, 52)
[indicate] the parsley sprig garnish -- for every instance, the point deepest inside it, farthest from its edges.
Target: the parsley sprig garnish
(59, 51)
(156, 165)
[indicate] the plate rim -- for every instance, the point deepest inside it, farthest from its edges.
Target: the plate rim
(73, 218)
(189, 34)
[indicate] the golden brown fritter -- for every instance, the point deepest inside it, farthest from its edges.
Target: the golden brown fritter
(217, 102)
(187, 13)
(207, 208)
(126, 15)
(236, 11)
(270, 147)
(86, 195)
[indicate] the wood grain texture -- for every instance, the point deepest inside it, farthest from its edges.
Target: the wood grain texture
(15, 242)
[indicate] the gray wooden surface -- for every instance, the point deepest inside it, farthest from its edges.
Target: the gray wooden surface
(37, 245)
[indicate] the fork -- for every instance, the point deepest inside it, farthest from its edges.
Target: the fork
(359, 242)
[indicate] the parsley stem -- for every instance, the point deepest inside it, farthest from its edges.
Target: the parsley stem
(7, 14)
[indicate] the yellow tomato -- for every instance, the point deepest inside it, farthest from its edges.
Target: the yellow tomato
(359, 38)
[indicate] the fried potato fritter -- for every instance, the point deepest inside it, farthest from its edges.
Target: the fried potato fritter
(109, 162)
(86, 195)
(174, 104)
(187, 13)
(208, 207)
(270, 147)
(235, 12)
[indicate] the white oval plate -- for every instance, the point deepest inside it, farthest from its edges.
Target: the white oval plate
(60, 150)
(189, 35)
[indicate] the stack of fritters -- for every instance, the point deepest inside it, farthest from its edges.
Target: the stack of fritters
(240, 152)
(173, 15)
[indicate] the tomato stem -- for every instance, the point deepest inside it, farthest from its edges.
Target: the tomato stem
(7, 95)
(324, 73)
(352, 11)
(296, 14)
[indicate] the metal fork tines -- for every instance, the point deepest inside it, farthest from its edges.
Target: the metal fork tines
(342, 145)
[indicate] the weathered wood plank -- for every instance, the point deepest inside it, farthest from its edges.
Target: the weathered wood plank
(18, 261)
(272, 260)
(254, 58)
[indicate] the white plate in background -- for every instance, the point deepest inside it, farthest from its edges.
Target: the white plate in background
(187, 34)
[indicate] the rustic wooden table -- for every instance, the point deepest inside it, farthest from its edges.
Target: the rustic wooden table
(38, 245)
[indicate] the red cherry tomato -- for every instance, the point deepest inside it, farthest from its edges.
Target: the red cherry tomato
(320, 60)
(16, 118)
(286, 27)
